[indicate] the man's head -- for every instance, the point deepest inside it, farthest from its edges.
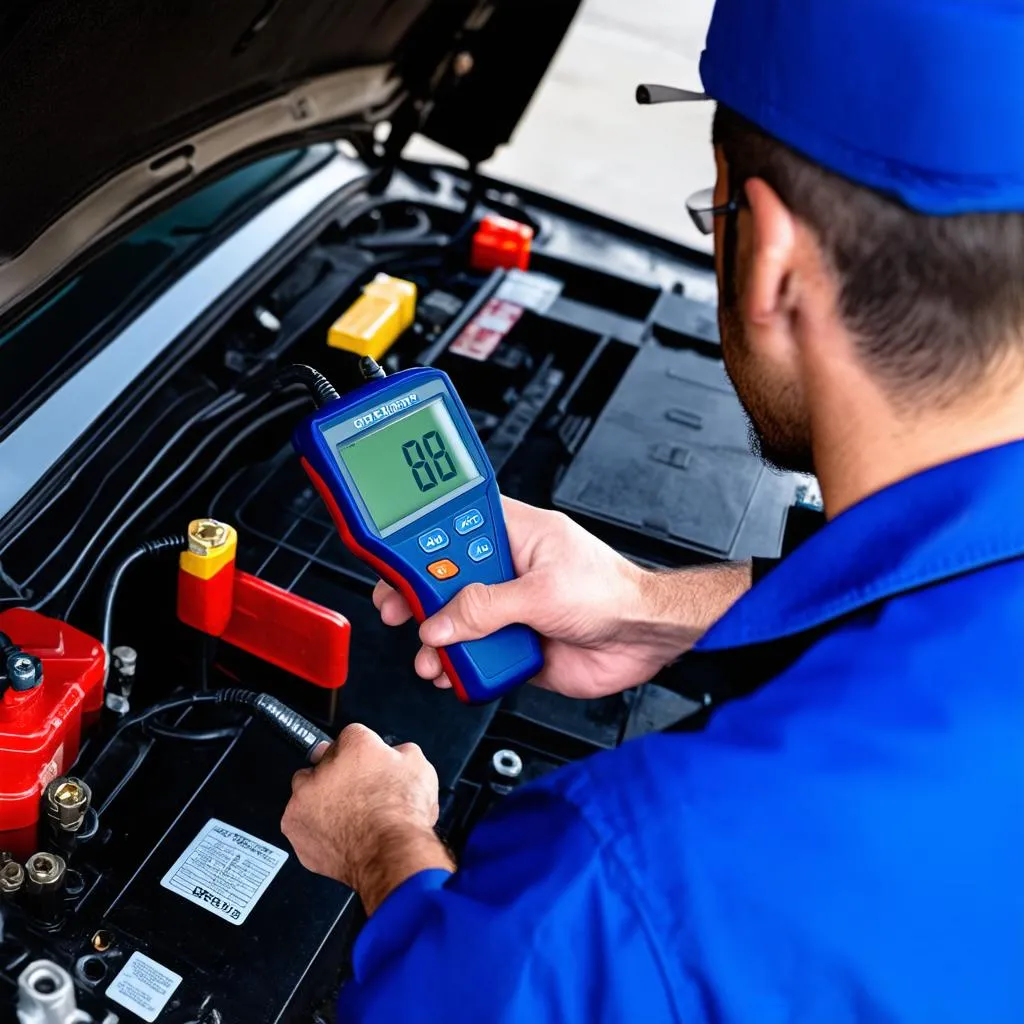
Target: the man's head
(820, 276)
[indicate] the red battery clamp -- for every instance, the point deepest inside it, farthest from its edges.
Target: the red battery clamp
(216, 598)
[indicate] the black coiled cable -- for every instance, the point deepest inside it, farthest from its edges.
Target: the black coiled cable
(320, 388)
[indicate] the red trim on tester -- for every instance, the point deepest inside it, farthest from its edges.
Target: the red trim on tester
(386, 572)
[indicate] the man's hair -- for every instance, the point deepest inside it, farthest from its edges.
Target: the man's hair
(933, 301)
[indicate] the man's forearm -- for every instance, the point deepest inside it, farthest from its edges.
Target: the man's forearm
(678, 607)
(397, 855)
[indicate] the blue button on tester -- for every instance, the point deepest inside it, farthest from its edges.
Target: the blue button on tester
(468, 522)
(433, 541)
(480, 549)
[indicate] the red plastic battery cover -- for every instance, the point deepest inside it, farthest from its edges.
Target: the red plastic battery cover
(41, 729)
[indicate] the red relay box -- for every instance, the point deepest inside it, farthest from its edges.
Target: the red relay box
(500, 242)
(41, 728)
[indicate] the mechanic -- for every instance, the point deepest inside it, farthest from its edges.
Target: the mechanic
(842, 840)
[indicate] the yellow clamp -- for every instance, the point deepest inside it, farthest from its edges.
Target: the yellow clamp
(374, 322)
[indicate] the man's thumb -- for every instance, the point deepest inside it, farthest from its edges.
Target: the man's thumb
(477, 611)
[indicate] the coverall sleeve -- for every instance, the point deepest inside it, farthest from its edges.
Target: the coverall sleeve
(536, 925)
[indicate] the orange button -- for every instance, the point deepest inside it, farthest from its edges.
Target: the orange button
(443, 570)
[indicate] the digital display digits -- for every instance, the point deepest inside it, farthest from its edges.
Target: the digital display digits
(408, 466)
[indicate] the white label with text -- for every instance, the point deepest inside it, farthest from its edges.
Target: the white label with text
(225, 871)
(143, 986)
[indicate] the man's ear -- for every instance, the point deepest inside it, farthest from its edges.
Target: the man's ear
(772, 255)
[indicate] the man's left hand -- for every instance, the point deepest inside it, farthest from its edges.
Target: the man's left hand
(365, 815)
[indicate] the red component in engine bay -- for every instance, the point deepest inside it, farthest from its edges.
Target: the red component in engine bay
(281, 628)
(41, 725)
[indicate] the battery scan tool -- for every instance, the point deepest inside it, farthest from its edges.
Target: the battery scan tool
(413, 494)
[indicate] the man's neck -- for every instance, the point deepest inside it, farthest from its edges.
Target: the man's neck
(863, 445)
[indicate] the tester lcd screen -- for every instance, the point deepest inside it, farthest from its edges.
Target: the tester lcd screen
(408, 467)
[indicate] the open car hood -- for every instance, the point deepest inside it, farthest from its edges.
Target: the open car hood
(109, 108)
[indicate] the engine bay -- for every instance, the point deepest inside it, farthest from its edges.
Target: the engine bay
(143, 866)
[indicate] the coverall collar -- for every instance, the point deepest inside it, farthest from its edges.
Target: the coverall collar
(944, 522)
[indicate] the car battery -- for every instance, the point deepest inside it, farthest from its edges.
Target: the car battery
(209, 915)
(51, 686)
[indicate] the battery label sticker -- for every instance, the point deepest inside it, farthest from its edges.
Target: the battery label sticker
(143, 986)
(530, 290)
(225, 871)
(484, 333)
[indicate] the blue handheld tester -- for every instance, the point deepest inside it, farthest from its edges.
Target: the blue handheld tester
(413, 494)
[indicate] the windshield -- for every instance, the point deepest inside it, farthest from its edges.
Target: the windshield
(56, 338)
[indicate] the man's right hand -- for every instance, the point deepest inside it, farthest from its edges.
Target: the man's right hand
(606, 624)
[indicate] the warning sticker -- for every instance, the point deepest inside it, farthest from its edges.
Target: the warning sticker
(225, 871)
(143, 986)
(484, 333)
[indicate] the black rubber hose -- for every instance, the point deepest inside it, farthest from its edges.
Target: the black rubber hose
(130, 518)
(100, 485)
(148, 547)
(297, 730)
(320, 388)
(220, 404)
(242, 436)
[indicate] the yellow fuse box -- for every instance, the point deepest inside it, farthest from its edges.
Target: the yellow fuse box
(373, 323)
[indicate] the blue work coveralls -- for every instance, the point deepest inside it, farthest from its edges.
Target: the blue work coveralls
(844, 840)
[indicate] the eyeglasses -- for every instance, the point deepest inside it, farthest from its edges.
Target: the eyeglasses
(702, 209)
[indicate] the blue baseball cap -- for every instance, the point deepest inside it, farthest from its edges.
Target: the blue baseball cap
(920, 99)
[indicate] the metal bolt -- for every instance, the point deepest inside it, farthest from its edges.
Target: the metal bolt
(44, 870)
(102, 941)
(508, 764)
(125, 659)
(44, 882)
(24, 671)
(117, 703)
(66, 802)
(206, 535)
(464, 63)
(12, 878)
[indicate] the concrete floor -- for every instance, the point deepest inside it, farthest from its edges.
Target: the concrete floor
(585, 139)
